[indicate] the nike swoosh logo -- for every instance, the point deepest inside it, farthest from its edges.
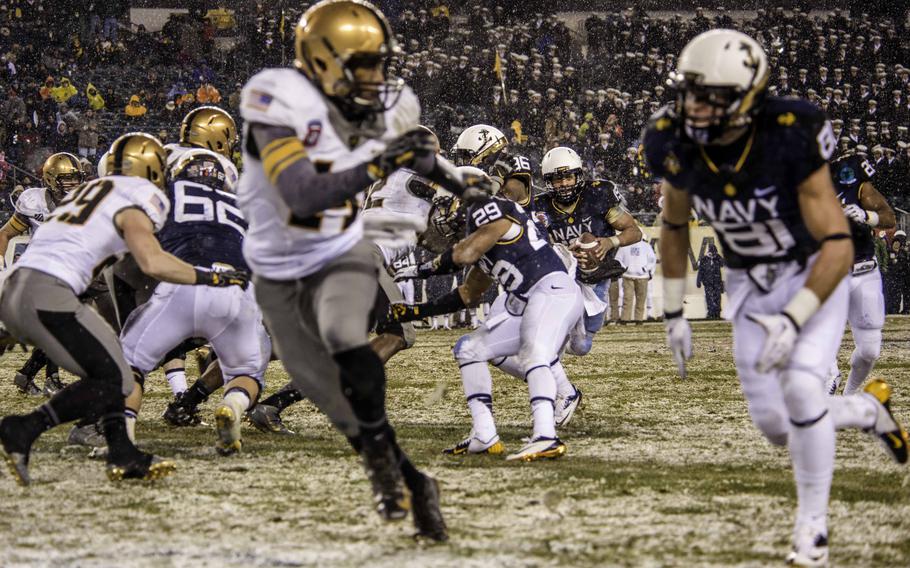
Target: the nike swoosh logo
(556, 288)
(763, 191)
(896, 441)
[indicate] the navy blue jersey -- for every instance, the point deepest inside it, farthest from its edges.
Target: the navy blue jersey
(850, 173)
(747, 191)
(522, 257)
(204, 226)
(597, 206)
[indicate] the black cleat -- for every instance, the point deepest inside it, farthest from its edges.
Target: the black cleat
(53, 385)
(26, 385)
(16, 447)
(385, 477)
(267, 418)
(180, 414)
(425, 507)
(145, 466)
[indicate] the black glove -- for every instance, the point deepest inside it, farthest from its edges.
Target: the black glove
(415, 150)
(223, 278)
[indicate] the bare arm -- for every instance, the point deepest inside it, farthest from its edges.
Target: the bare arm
(674, 232)
(872, 200)
(627, 230)
(139, 235)
(468, 251)
(7, 232)
(823, 217)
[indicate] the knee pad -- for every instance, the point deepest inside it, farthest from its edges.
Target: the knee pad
(804, 397)
(868, 344)
(468, 349)
(772, 422)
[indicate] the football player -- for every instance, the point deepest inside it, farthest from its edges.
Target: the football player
(95, 223)
(574, 205)
(531, 321)
(755, 167)
(485, 147)
(395, 213)
(61, 173)
(316, 136)
(867, 211)
(205, 229)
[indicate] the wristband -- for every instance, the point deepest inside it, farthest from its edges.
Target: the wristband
(674, 292)
(802, 306)
(203, 276)
(614, 240)
(872, 218)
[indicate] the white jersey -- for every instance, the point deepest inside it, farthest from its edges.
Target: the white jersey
(80, 237)
(176, 151)
(33, 206)
(278, 245)
(396, 211)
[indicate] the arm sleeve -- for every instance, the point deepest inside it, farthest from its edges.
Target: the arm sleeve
(305, 191)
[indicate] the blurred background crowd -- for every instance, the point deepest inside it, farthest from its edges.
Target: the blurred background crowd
(75, 74)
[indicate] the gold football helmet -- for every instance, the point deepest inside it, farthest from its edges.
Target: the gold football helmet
(137, 154)
(335, 37)
(62, 173)
(211, 128)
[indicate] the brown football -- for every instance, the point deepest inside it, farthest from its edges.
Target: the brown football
(584, 252)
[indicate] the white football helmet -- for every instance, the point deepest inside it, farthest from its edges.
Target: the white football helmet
(560, 162)
(478, 144)
(729, 71)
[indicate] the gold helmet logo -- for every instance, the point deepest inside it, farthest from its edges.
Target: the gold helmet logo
(137, 154)
(62, 173)
(333, 38)
(211, 128)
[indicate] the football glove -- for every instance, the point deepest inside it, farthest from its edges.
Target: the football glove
(781, 337)
(223, 279)
(855, 213)
(406, 273)
(679, 340)
(413, 150)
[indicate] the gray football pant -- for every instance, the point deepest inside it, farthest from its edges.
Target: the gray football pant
(43, 310)
(314, 317)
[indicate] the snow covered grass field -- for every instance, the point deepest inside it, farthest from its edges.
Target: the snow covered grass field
(660, 472)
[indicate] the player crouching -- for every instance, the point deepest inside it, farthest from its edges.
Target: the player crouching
(99, 221)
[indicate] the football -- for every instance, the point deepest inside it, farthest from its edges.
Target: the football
(584, 252)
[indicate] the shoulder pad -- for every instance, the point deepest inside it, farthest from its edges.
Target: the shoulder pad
(146, 196)
(662, 145)
(791, 112)
(33, 203)
(281, 97)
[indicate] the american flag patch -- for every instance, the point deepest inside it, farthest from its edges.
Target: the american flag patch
(157, 203)
(259, 100)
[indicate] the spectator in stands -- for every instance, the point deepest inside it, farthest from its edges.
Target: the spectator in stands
(88, 135)
(64, 91)
(135, 109)
(207, 94)
(95, 100)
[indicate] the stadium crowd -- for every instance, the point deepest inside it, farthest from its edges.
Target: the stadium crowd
(76, 74)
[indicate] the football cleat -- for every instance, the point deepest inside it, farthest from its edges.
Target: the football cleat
(227, 423)
(539, 448)
(53, 385)
(146, 467)
(267, 418)
(87, 435)
(810, 549)
(26, 385)
(180, 414)
(892, 435)
(425, 509)
(566, 407)
(385, 478)
(474, 445)
(16, 447)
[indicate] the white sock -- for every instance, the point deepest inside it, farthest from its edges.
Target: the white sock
(564, 388)
(854, 411)
(859, 372)
(812, 454)
(478, 389)
(176, 378)
(542, 390)
(131, 425)
(867, 351)
(238, 400)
